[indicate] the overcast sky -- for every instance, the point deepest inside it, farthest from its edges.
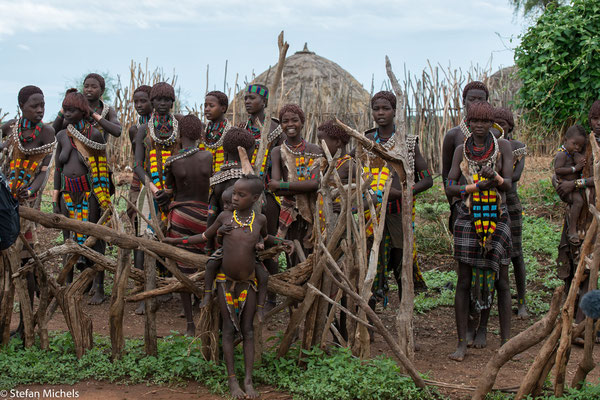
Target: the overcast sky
(51, 43)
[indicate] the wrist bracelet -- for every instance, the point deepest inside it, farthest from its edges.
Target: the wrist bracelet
(284, 185)
(185, 240)
(463, 189)
(60, 115)
(573, 169)
(204, 237)
(580, 183)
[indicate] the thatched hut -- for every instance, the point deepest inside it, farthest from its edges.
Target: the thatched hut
(504, 85)
(320, 86)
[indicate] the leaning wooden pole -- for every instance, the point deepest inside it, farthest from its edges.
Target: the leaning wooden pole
(523, 341)
(266, 126)
(404, 317)
(587, 363)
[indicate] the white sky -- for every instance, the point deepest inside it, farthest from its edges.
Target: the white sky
(51, 43)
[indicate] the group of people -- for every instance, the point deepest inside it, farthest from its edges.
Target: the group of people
(191, 182)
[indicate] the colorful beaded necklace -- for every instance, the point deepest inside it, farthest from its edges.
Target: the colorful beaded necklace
(214, 131)
(163, 124)
(247, 223)
(25, 124)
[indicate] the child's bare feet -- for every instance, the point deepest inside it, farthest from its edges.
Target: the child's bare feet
(250, 392)
(235, 389)
(459, 354)
(470, 338)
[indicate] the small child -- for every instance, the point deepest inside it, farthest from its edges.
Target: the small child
(568, 164)
(213, 265)
(242, 231)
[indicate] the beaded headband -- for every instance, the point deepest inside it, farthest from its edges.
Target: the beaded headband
(261, 91)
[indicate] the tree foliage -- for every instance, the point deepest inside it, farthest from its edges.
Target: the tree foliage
(559, 63)
(109, 80)
(530, 7)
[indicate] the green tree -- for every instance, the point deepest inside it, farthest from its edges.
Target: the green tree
(559, 63)
(530, 7)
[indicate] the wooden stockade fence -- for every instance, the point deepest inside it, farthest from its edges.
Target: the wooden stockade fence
(341, 269)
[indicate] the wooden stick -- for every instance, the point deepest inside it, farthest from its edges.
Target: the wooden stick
(89, 242)
(329, 321)
(150, 341)
(14, 261)
(113, 237)
(567, 312)
(523, 341)
(266, 126)
(336, 304)
(404, 317)
(404, 361)
(587, 362)
(534, 374)
(117, 301)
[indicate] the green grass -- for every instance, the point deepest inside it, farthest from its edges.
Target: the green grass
(337, 375)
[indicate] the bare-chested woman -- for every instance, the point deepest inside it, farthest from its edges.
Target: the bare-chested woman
(81, 181)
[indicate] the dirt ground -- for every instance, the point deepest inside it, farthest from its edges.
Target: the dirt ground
(435, 335)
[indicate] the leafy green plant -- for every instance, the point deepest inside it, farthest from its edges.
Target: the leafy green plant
(337, 375)
(559, 66)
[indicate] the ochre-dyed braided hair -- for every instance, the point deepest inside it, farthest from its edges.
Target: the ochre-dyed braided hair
(481, 110)
(97, 77)
(191, 127)
(221, 98)
(293, 108)
(143, 88)
(26, 92)
(162, 89)
(506, 115)
(476, 85)
(334, 131)
(238, 137)
(385, 95)
(75, 99)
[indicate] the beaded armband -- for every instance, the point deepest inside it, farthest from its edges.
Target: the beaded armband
(424, 174)
(580, 183)
(463, 189)
(284, 185)
(185, 240)
(450, 182)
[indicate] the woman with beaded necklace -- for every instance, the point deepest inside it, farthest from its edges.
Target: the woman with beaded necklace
(102, 116)
(215, 107)
(155, 142)
(383, 108)
(81, 182)
(294, 178)
(27, 154)
(482, 236)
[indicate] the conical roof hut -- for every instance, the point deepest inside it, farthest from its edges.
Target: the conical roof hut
(321, 87)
